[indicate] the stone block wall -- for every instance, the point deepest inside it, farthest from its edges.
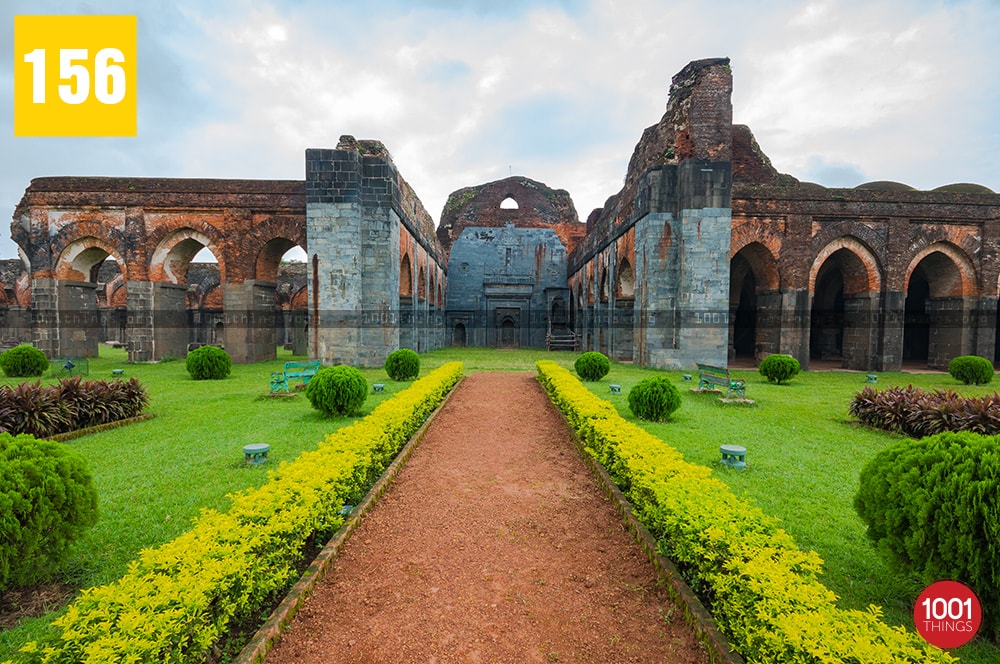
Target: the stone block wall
(357, 209)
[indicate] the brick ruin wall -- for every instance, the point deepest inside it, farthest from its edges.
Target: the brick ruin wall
(707, 253)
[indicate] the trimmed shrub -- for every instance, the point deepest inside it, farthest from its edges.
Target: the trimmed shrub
(764, 592)
(779, 368)
(209, 363)
(654, 399)
(931, 507)
(47, 500)
(592, 366)
(971, 369)
(337, 390)
(181, 601)
(23, 361)
(402, 364)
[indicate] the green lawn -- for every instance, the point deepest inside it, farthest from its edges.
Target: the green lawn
(154, 477)
(804, 459)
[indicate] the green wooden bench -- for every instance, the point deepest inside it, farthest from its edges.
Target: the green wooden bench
(712, 378)
(293, 370)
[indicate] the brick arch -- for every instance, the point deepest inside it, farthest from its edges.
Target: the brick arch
(762, 262)
(80, 258)
(861, 269)
(405, 276)
(268, 258)
(625, 279)
(954, 273)
(756, 233)
(170, 260)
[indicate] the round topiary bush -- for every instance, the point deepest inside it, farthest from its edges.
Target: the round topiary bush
(654, 399)
(779, 368)
(23, 361)
(592, 366)
(402, 364)
(209, 363)
(971, 369)
(47, 500)
(931, 506)
(337, 390)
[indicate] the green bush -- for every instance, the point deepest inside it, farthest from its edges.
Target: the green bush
(779, 368)
(931, 506)
(402, 364)
(337, 390)
(23, 361)
(971, 369)
(47, 500)
(654, 399)
(187, 600)
(209, 363)
(764, 592)
(592, 366)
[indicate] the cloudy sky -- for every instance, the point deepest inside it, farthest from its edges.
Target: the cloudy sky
(463, 92)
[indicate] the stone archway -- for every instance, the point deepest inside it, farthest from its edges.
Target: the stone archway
(939, 284)
(845, 284)
(753, 298)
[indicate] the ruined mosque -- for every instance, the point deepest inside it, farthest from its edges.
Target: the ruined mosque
(706, 255)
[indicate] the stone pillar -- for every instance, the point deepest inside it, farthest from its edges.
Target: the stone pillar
(985, 325)
(139, 326)
(892, 321)
(683, 257)
(795, 325)
(78, 318)
(250, 321)
(861, 331)
(170, 320)
(951, 332)
(157, 324)
(45, 314)
(333, 230)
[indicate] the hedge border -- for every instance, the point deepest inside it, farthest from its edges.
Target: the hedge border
(767, 597)
(178, 601)
(707, 631)
(257, 648)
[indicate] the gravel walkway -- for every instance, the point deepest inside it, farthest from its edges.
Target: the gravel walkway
(494, 544)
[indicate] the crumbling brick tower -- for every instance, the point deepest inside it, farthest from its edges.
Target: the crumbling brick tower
(652, 277)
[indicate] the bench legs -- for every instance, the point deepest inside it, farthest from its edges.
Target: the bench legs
(279, 382)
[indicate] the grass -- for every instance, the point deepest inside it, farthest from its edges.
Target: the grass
(804, 458)
(154, 477)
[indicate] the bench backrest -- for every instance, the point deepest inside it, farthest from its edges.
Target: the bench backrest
(716, 371)
(312, 366)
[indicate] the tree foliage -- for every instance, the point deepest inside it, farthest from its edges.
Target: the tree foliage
(23, 361)
(47, 500)
(209, 363)
(654, 398)
(933, 507)
(337, 390)
(592, 366)
(971, 369)
(402, 364)
(779, 368)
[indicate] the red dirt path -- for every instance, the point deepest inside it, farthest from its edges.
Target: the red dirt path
(494, 544)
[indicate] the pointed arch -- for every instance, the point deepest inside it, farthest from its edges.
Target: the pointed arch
(405, 277)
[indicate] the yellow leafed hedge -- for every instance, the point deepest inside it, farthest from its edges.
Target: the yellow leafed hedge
(762, 589)
(177, 600)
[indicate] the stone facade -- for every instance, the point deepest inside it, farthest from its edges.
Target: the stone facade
(507, 287)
